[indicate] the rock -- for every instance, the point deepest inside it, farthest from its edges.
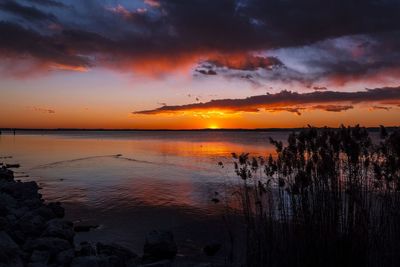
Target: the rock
(12, 165)
(52, 244)
(65, 257)
(212, 248)
(115, 250)
(46, 212)
(7, 243)
(9, 251)
(84, 228)
(19, 212)
(4, 223)
(40, 256)
(59, 228)
(8, 201)
(159, 245)
(33, 203)
(6, 174)
(86, 249)
(163, 263)
(31, 224)
(57, 209)
(22, 191)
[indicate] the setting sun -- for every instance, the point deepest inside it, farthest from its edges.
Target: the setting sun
(213, 126)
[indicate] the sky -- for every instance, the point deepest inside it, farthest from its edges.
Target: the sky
(180, 64)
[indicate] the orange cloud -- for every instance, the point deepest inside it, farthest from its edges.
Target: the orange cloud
(331, 101)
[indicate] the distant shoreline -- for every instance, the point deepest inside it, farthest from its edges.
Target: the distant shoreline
(178, 130)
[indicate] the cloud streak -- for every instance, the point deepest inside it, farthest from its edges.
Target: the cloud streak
(331, 101)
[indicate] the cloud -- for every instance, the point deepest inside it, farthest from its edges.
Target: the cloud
(48, 3)
(29, 13)
(158, 36)
(333, 108)
(332, 101)
(381, 108)
(43, 110)
(152, 3)
(320, 88)
(242, 62)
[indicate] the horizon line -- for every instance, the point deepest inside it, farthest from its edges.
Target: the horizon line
(177, 130)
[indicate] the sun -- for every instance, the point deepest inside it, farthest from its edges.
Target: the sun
(213, 126)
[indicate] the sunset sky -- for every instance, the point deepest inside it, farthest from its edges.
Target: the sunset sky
(185, 64)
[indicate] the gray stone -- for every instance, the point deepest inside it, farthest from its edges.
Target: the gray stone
(46, 212)
(31, 224)
(22, 191)
(115, 250)
(19, 212)
(57, 209)
(52, 244)
(65, 257)
(40, 256)
(9, 251)
(7, 243)
(86, 249)
(8, 201)
(59, 228)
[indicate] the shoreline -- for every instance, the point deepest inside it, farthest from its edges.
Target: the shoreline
(34, 233)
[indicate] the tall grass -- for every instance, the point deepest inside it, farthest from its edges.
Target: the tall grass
(328, 197)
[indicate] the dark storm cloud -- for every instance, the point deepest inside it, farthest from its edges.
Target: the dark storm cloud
(44, 48)
(48, 3)
(178, 31)
(27, 12)
(326, 100)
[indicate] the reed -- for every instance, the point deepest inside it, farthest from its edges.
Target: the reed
(327, 197)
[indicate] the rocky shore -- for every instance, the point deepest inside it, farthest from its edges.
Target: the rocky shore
(33, 233)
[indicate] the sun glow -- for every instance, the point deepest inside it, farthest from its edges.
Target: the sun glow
(213, 126)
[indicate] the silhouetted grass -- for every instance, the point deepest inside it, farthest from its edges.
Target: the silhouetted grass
(328, 197)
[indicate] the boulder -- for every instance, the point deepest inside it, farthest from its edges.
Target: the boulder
(115, 250)
(59, 228)
(31, 224)
(22, 191)
(85, 249)
(46, 212)
(65, 257)
(6, 174)
(52, 244)
(8, 201)
(9, 251)
(57, 209)
(39, 256)
(159, 245)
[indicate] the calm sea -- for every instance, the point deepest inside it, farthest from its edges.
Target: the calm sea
(132, 182)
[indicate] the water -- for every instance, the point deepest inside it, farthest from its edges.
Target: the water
(131, 182)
